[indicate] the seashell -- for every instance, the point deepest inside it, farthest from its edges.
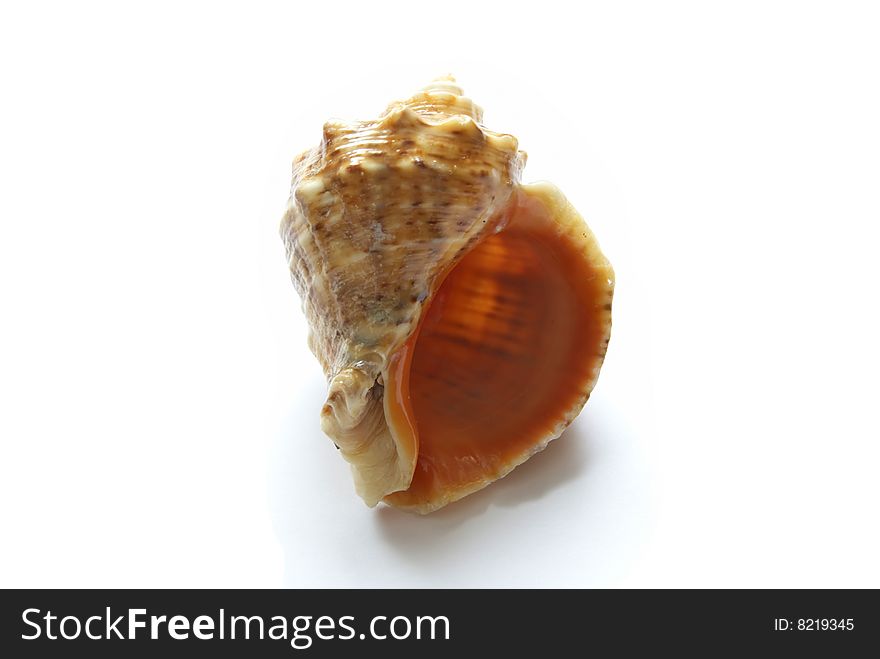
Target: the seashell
(460, 317)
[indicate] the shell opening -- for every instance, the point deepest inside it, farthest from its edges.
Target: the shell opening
(498, 363)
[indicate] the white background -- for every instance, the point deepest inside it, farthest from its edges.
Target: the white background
(158, 403)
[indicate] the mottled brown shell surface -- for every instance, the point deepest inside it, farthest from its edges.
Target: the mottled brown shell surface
(380, 213)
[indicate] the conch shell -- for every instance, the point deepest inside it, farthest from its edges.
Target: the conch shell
(461, 317)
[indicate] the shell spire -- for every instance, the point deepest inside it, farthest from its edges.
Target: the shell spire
(445, 83)
(442, 97)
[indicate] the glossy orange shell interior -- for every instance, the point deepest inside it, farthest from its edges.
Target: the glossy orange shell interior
(500, 357)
